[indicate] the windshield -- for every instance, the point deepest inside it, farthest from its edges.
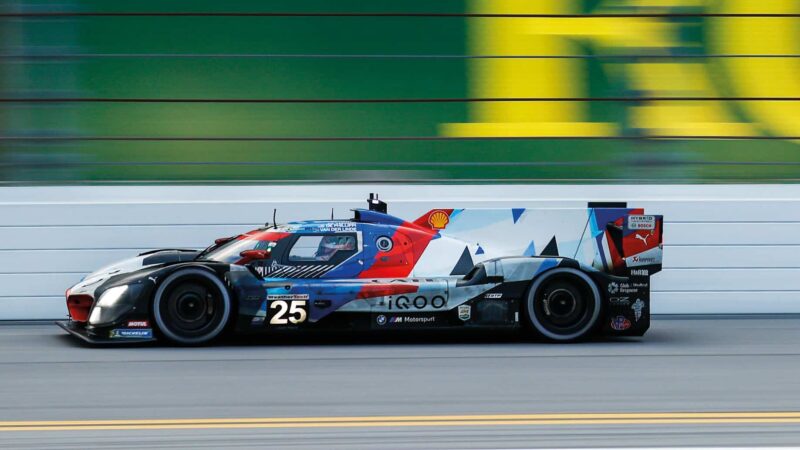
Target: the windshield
(229, 252)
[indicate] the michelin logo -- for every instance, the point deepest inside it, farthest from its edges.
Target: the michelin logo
(137, 333)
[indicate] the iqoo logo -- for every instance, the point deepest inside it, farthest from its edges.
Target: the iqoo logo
(566, 77)
(418, 302)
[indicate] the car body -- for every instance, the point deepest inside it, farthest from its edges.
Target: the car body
(450, 269)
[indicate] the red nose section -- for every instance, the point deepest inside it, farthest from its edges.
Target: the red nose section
(79, 306)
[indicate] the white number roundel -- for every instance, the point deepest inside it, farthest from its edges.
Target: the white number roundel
(384, 243)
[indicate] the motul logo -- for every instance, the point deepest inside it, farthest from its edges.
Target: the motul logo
(138, 324)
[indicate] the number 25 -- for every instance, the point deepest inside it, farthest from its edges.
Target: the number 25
(296, 310)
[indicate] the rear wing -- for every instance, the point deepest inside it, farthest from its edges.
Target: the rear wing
(627, 241)
(607, 236)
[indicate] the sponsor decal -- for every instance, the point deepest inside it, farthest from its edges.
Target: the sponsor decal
(464, 312)
(287, 312)
(619, 301)
(153, 279)
(644, 260)
(642, 237)
(494, 295)
(264, 270)
(620, 323)
(138, 324)
(288, 297)
(413, 319)
(384, 243)
(404, 320)
(637, 308)
(438, 302)
(419, 302)
(139, 333)
(438, 219)
(640, 272)
(625, 287)
(641, 222)
(335, 227)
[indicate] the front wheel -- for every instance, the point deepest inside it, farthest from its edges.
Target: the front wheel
(563, 304)
(191, 307)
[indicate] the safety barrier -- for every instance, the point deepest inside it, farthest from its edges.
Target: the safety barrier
(728, 248)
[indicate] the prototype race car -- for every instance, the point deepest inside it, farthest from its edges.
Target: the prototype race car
(449, 269)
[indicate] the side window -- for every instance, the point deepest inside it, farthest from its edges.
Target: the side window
(322, 248)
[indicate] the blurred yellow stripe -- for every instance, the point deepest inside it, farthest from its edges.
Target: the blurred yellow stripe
(410, 421)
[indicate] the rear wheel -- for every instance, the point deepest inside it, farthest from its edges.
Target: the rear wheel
(563, 304)
(191, 307)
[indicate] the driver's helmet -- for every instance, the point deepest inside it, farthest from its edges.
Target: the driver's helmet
(329, 245)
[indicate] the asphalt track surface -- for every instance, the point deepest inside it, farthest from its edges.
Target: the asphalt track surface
(689, 382)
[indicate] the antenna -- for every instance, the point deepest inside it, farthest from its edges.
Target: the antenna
(331, 213)
(274, 212)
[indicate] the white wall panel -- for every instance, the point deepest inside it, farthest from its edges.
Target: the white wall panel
(725, 256)
(37, 284)
(729, 248)
(109, 237)
(701, 280)
(50, 261)
(733, 302)
(33, 308)
(731, 233)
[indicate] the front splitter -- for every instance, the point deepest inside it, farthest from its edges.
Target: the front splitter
(80, 332)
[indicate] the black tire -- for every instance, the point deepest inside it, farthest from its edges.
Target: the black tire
(191, 307)
(563, 305)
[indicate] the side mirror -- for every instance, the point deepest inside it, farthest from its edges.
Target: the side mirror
(221, 241)
(255, 254)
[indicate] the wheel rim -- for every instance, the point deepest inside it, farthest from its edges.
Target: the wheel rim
(191, 306)
(562, 307)
(563, 304)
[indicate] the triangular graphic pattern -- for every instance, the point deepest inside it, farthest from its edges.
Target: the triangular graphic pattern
(530, 251)
(516, 213)
(551, 249)
(464, 263)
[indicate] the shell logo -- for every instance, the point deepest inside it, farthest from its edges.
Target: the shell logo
(438, 220)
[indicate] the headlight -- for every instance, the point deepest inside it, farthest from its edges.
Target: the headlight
(113, 303)
(111, 296)
(95, 318)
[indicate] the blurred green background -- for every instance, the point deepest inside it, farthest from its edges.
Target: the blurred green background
(173, 98)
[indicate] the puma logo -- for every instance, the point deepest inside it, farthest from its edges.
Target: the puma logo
(643, 238)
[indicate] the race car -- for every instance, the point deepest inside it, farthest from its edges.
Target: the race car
(558, 273)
